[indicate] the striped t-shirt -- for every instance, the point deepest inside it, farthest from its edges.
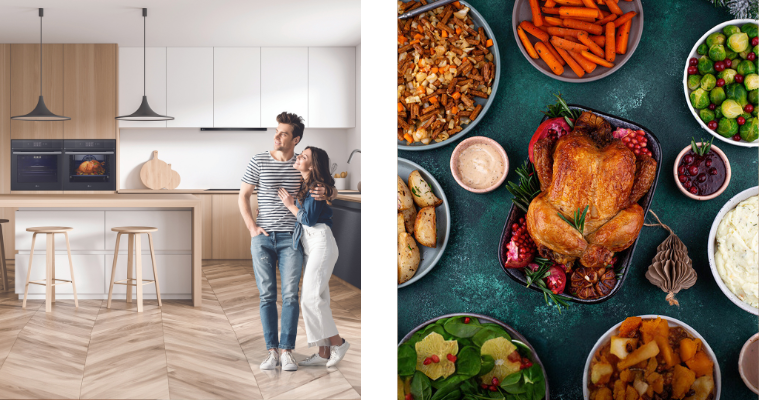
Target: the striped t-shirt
(268, 175)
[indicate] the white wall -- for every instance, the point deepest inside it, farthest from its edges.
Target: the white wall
(217, 160)
(354, 134)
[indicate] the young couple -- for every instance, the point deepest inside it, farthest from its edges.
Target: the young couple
(294, 218)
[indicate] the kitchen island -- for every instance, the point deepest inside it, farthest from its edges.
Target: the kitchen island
(178, 241)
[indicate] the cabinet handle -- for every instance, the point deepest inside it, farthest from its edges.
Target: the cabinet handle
(33, 153)
(87, 152)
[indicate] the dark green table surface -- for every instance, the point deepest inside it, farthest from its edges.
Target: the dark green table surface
(647, 90)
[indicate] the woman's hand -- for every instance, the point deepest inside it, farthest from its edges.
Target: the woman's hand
(286, 197)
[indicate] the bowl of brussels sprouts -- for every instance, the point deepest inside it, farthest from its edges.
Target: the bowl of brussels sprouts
(721, 82)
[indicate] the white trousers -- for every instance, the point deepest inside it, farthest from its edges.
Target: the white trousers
(321, 253)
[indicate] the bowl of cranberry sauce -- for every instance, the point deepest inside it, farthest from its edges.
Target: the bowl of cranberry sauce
(702, 176)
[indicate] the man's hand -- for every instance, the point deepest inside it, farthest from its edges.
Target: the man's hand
(318, 193)
(258, 231)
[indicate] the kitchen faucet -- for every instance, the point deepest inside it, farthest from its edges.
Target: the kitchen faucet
(351, 156)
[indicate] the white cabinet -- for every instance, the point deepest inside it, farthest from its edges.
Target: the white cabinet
(174, 229)
(88, 273)
(284, 83)
(131, 83)
(174, 274)
(87, 234)
(189, 86)
(332, 87)
(236, 87)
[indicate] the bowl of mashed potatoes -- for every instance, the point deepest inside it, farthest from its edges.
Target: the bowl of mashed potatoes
(734, 249)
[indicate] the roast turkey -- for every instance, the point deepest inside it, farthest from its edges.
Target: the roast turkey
(588, 168)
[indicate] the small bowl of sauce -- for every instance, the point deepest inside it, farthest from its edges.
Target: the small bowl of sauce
(479, 164)
(702, 177)
(748, 363)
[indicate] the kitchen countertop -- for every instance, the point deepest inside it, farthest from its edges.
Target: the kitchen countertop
(346, 195)
(647, 90)
(99, 200)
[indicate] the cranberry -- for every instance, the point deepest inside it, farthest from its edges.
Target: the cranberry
(452, 358)
(738, 78)
(701, 177)
(681, 169)
(427, 361)
(720, 82)
(741, 120)
(751, 56)
(728, 63)
(712, 171)
(687, 184)
(467, 319)
(484, 386)
(409, 396)
(755, 41)
(692, 70)
(435, 358)
(693, 190)
(749, 107)
(712, 125)
(708, 163)
(693, 170)
(693, 61)
(737, 137)
(682, 178)
(688, 159)
(712, 106)
(495, 381)
(493, 388)
(719, 66)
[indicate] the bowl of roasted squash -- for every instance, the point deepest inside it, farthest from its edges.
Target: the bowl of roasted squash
(651, 357)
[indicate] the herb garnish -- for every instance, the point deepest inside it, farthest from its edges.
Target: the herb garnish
(705, 146)
(579, 220)
(537, 276)
(561, 109)
(528, 187)
(413, 190)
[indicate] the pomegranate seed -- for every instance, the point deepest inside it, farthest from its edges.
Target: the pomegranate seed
(737, 137)
(693, 61)
(712, 171)
(427, 361)
(466, 320)
(755, 41)
(693, 190)
(493, 388)
(712, 106)
(637, 152)
(741, 120)
(692, 70)
(495, 381)
(682, 178)
(452, 358)
(719, 66)
(720, 83)
(435, 358)
(738, 78)
(749, 107)
(751, 56)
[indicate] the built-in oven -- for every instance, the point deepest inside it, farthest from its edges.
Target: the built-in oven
(89, 164)
(37, 164)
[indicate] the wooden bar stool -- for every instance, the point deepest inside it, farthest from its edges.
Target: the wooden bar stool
(134, 249)
(50, 282)
(3, 266)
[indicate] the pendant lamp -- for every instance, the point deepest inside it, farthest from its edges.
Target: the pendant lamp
(144, 112)
(40, 113)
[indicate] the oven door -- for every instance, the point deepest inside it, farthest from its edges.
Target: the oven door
(36, 170)
(89, 170)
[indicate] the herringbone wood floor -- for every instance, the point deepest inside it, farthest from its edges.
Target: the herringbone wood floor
(173, 352)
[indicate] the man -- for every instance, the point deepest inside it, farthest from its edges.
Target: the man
(272, 242)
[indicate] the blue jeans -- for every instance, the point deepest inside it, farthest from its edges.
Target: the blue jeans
(266, 251)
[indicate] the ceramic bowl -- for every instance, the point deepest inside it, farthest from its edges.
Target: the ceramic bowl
(746, 358)
(672, 322)
(694, 53)
(478, 140)
(728, 174)
(522, 12)
(754, 191)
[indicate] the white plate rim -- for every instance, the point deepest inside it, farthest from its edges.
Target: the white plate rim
(692, 109)
(731, 204)
(441, 195)
(606, 336)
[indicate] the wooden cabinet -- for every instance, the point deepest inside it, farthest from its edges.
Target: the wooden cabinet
(332, 87)
(132, 86)
(25, 89)
(89, 91)
(5, 147)
(236, 87)
(225, 236)
(189, 86)
(284, 83)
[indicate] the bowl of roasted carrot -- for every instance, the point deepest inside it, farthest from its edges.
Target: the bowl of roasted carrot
(578, 40)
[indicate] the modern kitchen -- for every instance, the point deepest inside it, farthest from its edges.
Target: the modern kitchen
(125, 130)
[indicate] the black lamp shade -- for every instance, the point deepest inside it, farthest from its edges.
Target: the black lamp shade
(40, 113)
(144, 113)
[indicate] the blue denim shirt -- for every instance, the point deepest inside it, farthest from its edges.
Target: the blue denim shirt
(310, 213)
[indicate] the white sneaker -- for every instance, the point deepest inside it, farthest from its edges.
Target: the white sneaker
(337, 353)
(272, 361)
(315, 359)
(288, 362)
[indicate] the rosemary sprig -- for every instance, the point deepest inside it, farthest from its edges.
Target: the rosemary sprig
(528, 187)
(561, 109)
(536, 277)
(705, 146)
(579, 219)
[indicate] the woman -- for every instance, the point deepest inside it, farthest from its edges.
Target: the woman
(315, 220)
